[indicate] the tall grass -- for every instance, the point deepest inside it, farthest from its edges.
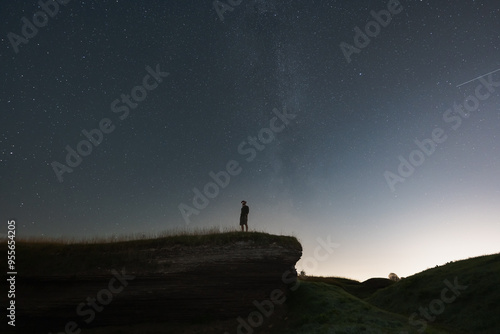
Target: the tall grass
(118, 238)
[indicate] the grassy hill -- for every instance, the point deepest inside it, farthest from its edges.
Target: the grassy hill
(327, 308)
(358, 289)
(473, 307)
(459, 297)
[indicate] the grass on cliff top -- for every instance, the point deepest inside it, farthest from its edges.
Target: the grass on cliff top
(44, 256)
(183, 237)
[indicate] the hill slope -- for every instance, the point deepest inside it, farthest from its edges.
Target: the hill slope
(328, 309)
(463, 296)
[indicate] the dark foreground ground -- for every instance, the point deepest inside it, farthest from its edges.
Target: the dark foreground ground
(244, 283)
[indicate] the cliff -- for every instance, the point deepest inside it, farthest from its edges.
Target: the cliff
(69, 287)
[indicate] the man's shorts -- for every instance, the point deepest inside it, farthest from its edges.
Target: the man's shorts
(243, 220)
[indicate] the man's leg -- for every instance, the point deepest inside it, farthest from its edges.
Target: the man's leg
(241, 228)
(246, 225)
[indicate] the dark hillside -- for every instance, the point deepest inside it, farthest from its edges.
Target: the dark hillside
(462, 295)
(317, 307)
(359, 289)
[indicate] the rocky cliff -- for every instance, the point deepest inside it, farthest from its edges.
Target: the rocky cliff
(152, 282)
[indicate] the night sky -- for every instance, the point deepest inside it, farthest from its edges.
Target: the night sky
(380, 143)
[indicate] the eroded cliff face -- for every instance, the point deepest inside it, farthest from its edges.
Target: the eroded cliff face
(174, 284)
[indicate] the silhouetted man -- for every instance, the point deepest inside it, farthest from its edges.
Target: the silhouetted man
(244, 215)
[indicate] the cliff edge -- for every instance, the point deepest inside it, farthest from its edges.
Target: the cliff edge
(64, 288)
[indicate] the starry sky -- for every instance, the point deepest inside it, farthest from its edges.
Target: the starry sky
(332, 119)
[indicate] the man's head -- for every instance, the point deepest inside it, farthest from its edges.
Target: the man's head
(243, 202)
